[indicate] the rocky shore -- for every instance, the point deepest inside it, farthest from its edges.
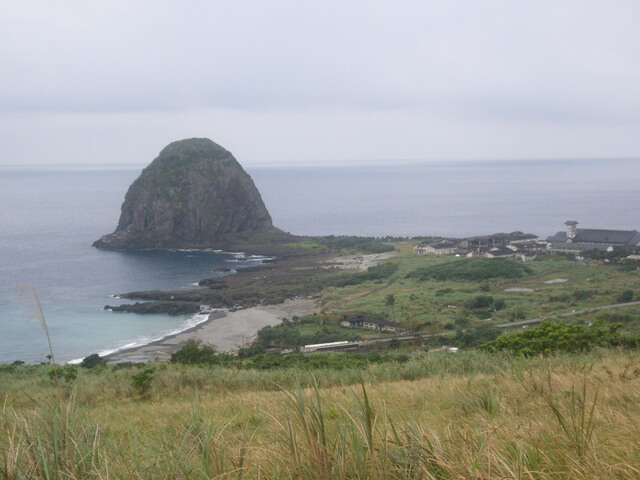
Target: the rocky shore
(251, 299)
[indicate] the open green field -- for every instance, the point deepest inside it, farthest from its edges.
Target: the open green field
(431, 305)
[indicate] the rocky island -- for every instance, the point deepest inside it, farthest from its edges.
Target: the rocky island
(195, 194)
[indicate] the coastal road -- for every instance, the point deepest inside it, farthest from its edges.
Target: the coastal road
(568, 314)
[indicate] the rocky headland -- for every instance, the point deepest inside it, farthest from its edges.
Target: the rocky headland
(195, 194)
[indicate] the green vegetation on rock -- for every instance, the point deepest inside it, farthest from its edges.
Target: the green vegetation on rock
(193, 195)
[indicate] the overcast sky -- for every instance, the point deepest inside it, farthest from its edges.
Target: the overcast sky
(309, 82)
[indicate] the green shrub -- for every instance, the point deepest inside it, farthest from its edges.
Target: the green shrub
(141, 381)
(68, 373)
(481, 301)
(472, 269)
(288, 336)
(462, 322)
(253, 349)
(92, 361)
(583, 294)
(190, 353)
(377, 272)
(625, 297)
(550, 337)
(443, 291)
(518, 314)
(362, 244)
(473, 337)
(559, 298)
(338, 361)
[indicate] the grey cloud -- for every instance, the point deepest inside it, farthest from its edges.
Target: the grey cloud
(287, 55)
(400, 68)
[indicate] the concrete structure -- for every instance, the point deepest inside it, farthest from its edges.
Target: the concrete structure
(319, 347)
(578, 239)
(514, 244)
(443, 247)
(366, 321)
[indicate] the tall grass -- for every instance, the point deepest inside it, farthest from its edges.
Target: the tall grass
(557, 418)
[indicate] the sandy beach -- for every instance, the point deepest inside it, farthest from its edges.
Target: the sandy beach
(224, 331)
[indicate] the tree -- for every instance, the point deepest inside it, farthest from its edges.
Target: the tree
(390, 301)
(68, 373)
(191, 354)
(141, 382)
(481, 301)
(92, 361)
(625, 297)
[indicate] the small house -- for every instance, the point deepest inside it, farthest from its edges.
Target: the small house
(443, 247)
(367, 321)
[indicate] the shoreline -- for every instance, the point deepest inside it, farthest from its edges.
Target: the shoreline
(227, 331)
(190, 330)
(224, 331)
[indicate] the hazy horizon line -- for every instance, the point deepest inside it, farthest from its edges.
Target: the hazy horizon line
(337, 164)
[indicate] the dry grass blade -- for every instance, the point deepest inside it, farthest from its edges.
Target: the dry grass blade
(32, 303)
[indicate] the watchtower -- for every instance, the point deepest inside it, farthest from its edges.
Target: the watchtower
(572, 230)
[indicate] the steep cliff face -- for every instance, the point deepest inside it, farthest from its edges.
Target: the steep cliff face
(194, 194)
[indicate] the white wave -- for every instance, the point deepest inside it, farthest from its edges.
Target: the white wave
(191, 322)
(259, 257)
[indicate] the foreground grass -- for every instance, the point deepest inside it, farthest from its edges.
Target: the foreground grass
(436, 416)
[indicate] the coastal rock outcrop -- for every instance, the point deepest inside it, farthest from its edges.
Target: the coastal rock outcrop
(194, 194)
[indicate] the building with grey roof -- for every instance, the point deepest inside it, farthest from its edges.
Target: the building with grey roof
(577, 239)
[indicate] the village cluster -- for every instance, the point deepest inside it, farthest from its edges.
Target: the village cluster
(527, 246)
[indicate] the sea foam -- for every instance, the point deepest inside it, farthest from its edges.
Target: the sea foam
(190, 323)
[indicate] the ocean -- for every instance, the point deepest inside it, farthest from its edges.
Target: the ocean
(49, 216)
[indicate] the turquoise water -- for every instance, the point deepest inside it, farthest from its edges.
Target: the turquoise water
(49, 220)
(50, 217)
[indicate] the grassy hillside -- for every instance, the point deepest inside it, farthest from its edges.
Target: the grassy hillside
(470, 415)
(513, 409)
(432, 293)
